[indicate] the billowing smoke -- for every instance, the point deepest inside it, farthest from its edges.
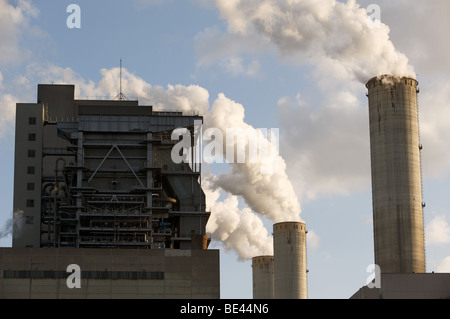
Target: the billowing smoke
(322, 32)
(272, 194)
(238, 229)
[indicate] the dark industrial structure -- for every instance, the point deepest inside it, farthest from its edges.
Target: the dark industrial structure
(95, 173)
(95, 185)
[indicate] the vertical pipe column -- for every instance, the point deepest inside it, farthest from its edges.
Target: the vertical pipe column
(290, 273)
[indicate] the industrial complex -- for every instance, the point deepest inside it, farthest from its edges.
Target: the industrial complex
(95, 186)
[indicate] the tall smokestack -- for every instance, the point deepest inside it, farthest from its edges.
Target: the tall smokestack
(290, 274)
(396, 175)
(263, 272)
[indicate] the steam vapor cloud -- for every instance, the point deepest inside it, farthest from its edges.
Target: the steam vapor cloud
(322, 32)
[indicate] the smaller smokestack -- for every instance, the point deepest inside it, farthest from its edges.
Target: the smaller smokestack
(290, 274)
(263, 274)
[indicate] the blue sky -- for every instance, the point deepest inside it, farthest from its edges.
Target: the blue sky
(290, 65)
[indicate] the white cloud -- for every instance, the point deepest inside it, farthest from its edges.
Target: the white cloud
(7, 114)
(434, 105)
(214, 46)
(437, 231)
(14, 19)
(312, 240)
(326, 147)
(236, 67)
(237, 21)
(444, 266)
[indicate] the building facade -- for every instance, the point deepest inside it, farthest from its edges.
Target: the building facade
(96, 177)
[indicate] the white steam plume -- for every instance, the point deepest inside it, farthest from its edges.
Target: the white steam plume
(320, 31)
(238, 229)
(271, 194)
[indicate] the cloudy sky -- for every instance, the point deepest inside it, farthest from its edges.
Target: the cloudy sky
(296, 65)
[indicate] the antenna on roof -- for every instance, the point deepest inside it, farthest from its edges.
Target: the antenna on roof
(120, 96)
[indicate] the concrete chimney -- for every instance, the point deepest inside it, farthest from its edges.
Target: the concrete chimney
(396, 175)
(290, 274)
(263, 268)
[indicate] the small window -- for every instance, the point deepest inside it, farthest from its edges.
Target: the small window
(30, 203)
(31, 153)
(31, 137)
(32, 121)
(31, 170)
(30, 187)
(29, 220)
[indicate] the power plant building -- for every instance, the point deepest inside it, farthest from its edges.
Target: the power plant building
(98, 175)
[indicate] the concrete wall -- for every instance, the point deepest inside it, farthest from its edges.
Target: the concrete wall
(396, 175)
(146, 274)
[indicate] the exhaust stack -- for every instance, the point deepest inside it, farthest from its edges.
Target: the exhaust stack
(290, 273)
(396, 174)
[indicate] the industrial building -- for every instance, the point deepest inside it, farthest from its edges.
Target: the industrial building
(98, 174)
